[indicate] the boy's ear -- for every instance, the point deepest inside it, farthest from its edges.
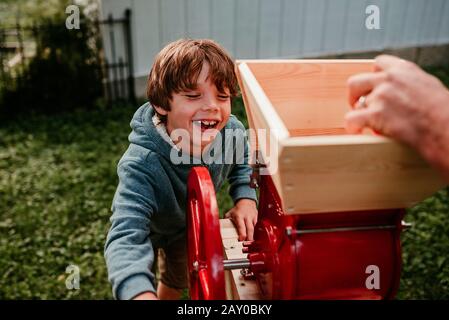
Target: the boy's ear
(161, 111)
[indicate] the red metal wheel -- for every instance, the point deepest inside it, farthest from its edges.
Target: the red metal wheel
(205, 253)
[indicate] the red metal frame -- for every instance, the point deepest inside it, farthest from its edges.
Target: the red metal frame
(324, 264)
(205, 255)
(299, 256)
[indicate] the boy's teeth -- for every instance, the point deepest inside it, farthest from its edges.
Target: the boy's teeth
(205, 122)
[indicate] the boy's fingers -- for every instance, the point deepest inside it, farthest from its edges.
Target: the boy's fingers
(362, 84)
(241, 228)
(255, 220)
(249, 229)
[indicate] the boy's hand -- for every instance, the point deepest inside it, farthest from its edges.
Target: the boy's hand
(244, 217)
(146, 296)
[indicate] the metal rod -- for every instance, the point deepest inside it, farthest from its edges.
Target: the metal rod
(20, 40)
(406, 225)
(129, 54)
(108, 84)
(236, 264)
(109, 21)
(121, 79)
(2, 60)
(298, 232)
(114, 69)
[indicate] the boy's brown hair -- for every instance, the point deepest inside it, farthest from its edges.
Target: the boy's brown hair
(177, 66)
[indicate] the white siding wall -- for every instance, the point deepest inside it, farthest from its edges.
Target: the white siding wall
(278, 28)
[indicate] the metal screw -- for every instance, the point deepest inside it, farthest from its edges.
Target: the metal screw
(246, 273)
(406, 225)
(288, 231)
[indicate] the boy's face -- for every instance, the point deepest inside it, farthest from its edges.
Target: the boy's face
(203, 111)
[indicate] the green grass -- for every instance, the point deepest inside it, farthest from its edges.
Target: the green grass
(425, 273)
(57, 180)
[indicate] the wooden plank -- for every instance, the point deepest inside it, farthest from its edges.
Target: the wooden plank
(320, 168)
(324, 177)
(310, 94)
(275, 130)
(299, 132)
(228, 231)
(237, 288)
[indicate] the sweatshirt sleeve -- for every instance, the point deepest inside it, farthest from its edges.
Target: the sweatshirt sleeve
(128, 249)
(239, 177)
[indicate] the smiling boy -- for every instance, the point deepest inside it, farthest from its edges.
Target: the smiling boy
(189, 89)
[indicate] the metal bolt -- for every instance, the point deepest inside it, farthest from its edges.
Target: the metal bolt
(288, 231)
(406, 225)
(236, 264)
(246, 273)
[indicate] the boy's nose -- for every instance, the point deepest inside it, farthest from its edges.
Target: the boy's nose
(210, 105)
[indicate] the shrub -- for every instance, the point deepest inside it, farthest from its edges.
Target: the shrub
(64, 74)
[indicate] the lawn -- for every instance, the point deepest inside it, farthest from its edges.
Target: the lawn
(57, 180)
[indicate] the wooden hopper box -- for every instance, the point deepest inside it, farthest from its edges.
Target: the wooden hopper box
(321, 168)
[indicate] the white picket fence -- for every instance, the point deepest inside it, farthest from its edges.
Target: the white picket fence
(279, 28)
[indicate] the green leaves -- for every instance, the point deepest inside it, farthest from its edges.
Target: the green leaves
(425, 273)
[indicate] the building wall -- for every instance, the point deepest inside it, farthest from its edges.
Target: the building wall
(279, 28)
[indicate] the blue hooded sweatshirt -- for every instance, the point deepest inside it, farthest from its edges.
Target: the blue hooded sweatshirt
(149, 205)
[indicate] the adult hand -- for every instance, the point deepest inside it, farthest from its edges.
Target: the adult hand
(405, 103)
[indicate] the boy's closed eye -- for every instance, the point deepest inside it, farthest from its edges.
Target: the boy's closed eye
(223, 96)
(197, 96)
(192, 95)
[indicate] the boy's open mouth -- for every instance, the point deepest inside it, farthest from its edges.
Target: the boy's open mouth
(206, 124)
